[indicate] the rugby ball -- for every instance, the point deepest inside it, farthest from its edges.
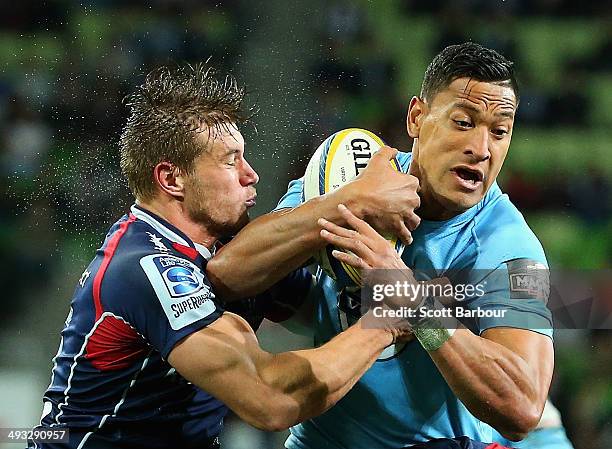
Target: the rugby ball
(337, 161)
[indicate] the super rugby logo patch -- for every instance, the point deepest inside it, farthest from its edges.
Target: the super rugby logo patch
(180, 287)
(181, 281)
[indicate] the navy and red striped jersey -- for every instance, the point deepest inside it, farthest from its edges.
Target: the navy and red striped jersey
(111, 384)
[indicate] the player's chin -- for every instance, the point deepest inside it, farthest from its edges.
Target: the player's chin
(462, 201)
(466, 201)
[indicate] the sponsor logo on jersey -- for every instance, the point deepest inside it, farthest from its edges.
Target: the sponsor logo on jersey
(157, 243)
(180, 287)
(181, 281)
(528, 279)
(84, 278)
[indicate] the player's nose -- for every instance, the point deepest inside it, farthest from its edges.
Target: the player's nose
(478, 145)
(248, 176)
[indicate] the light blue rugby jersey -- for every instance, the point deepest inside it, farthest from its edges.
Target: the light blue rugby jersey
(404, 399)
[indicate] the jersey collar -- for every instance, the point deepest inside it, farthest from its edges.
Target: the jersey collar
(462, 218)
(169, 231)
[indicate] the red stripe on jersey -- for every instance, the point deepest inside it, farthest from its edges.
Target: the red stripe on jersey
(114, 345)
(496, 446)
(188, 251)
(108, 255)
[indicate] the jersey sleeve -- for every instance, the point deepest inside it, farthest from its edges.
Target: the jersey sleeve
(512, 295)
(293, 197)
(166, 298)
(510, 271)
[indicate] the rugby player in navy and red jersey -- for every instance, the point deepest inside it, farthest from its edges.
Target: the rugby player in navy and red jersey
(149, 357)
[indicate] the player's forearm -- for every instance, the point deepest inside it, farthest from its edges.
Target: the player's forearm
(272, 246)
(316, 379)
(495, 384)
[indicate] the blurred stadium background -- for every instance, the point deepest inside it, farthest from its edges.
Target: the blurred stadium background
(312, 68)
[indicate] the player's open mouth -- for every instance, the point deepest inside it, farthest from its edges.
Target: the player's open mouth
(251, 201)
(469, 178)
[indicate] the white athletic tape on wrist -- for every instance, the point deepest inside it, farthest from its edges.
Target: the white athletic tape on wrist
(432, 339)
(432, 333)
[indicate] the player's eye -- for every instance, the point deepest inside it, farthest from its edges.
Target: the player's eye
(231, 159)
(463, 123)
(500, 132)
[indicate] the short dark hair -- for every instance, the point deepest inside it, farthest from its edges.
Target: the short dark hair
(166, 113)
(467, 60)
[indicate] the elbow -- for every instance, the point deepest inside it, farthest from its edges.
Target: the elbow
(274, 416)
(217, 274)
(275, 424)
(520, 423)
(275, 420)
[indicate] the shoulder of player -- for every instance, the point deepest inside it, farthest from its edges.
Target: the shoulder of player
(141, 280)
(500, 228)
(498, 211)
(142, 239)
(139, 243)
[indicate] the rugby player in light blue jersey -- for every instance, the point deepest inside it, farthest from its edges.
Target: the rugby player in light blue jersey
(445, 383)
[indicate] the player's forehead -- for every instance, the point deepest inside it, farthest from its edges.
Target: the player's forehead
(221, 140)
(477, 96)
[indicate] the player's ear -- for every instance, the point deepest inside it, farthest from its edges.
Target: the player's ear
(416, 112)
(170, 179)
